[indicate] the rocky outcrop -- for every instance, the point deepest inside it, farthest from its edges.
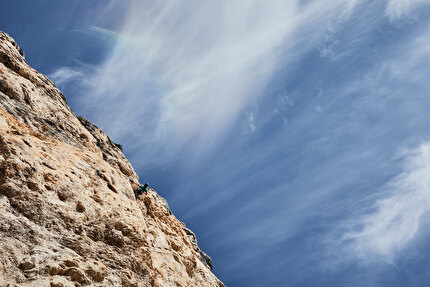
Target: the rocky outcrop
(68, 216)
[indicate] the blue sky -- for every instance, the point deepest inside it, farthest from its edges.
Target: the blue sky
(291, 136)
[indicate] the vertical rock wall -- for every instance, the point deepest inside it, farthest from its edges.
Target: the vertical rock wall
(68, 216)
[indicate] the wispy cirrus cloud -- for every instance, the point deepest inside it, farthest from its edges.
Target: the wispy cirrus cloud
(400, 206)
(398, 8)
(396, 221)
(197, 66)
(65, 75)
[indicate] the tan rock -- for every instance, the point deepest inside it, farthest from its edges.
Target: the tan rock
(68, 212)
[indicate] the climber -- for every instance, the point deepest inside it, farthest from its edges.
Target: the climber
(141, 189)
(145, 188)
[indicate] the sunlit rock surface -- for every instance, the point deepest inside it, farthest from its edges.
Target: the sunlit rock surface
(68, 216)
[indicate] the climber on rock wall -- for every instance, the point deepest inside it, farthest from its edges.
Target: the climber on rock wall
(141, 189)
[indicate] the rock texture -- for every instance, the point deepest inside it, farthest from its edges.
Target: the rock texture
(68, 216)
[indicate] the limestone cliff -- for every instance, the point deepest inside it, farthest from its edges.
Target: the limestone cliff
(68, 216)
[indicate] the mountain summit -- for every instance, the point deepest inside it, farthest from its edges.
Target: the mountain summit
(68, 215)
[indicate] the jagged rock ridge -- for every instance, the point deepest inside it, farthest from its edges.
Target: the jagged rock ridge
(68, 213)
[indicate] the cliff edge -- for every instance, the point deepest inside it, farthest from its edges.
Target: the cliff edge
(68, 215)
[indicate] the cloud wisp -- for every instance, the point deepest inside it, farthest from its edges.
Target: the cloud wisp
(398, 8)
(397, 89)
(182, 73)
(396, 221)
(65, 74)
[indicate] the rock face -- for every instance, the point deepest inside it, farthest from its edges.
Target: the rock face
(68, 216)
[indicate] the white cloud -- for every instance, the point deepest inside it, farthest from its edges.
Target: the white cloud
(398, 8)
(251, 121)
(64, 75)
(326, 48)
(183, 72)
(396, 221)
